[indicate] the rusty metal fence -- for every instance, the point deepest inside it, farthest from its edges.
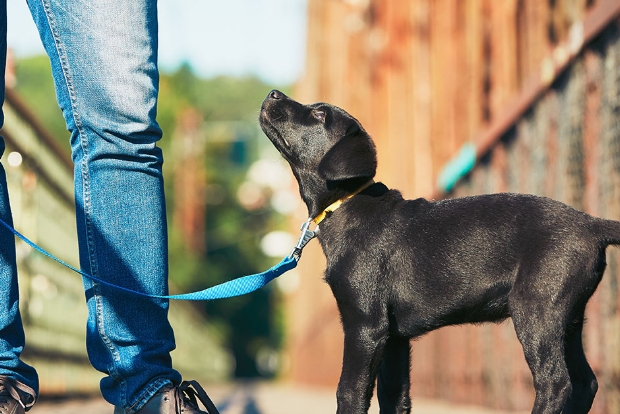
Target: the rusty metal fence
(567, 146)
(535, 87)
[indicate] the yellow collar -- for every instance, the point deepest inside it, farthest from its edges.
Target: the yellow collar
(334, 206)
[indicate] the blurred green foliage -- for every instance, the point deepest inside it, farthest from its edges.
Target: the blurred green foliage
(233, 233)
(35, 86)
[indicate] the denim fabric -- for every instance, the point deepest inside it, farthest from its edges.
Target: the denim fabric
(103, 55)
(11, 329)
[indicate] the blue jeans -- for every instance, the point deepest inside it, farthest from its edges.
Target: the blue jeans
(103, 55)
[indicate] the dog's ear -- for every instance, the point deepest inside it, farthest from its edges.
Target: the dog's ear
(353, 156)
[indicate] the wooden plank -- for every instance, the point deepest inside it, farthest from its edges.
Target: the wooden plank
(421, 99)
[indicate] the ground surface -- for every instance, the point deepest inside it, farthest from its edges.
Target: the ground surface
(261, 398)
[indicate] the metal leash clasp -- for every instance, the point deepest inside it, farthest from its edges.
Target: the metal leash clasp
(306, 236)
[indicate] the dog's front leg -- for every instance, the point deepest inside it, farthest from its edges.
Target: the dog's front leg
(393, 382)
(363, 348)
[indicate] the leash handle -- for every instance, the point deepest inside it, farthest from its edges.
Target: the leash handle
(236, 287)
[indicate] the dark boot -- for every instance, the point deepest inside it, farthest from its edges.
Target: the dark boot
(177, 400)
(15, 398)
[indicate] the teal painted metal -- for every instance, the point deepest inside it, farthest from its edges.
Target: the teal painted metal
(457, 168)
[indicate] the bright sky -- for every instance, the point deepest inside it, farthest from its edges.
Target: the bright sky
(234, 37)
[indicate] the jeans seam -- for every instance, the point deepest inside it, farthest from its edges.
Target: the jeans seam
(66, 71)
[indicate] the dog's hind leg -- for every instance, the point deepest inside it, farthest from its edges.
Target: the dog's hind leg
(542, 336)
(581, 375)
(393, 379)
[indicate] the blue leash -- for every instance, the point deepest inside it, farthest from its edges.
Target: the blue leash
(235, 287)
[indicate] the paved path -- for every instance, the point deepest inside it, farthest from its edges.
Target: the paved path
(261, 398)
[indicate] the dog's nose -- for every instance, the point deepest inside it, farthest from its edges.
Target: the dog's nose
(275, 94)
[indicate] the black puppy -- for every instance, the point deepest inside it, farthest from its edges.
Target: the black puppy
(400, 268)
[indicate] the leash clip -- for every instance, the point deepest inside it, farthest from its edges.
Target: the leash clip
(306, 236)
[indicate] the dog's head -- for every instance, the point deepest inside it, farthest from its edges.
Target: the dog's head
(328, 150)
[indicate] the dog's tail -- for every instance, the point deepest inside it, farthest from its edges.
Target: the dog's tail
(608, 231)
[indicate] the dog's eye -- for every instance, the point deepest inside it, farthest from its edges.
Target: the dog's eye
(320, 115)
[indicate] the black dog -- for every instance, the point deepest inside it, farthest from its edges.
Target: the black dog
(400, 268)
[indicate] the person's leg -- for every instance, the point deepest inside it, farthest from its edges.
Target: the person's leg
(13, 371)
(104, 62)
